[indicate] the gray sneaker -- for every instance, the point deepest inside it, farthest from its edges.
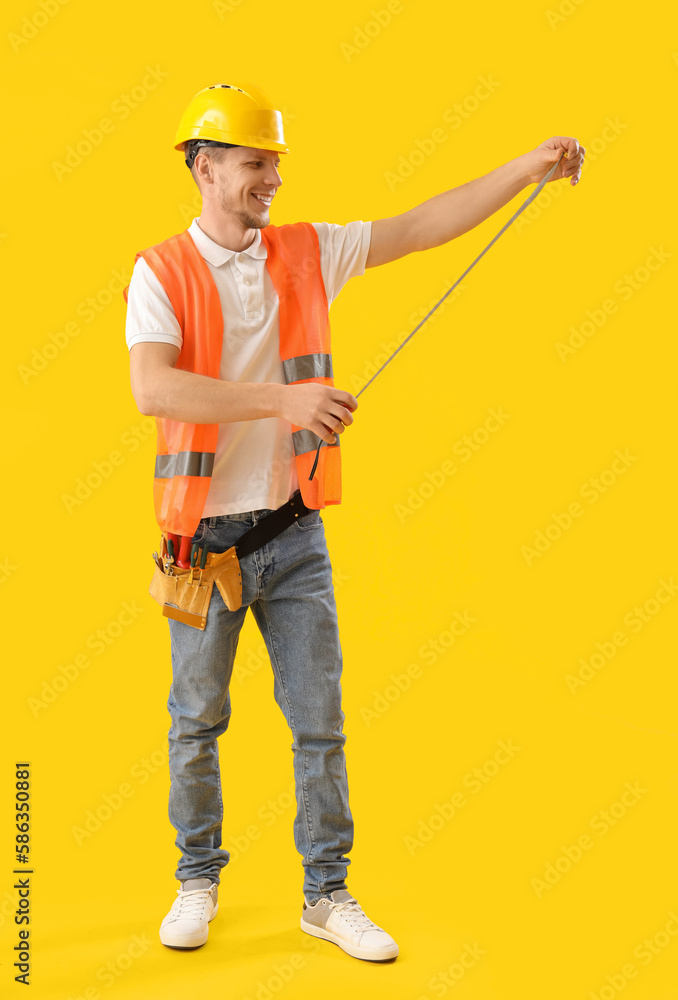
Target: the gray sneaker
(342, 921)
(187, 923)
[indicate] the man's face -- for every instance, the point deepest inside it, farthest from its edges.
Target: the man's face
(245, 182)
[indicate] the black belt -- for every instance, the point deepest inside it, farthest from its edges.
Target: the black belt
(271, 525)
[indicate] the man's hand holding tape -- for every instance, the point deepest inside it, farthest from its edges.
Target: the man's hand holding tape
(540, 160)
(323, 409)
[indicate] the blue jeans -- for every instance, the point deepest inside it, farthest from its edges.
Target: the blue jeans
(288, 585)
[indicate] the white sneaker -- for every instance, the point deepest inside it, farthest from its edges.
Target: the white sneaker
(341, 920)
(187, 923)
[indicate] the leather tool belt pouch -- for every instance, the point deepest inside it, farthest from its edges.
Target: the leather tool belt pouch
(185, 594)
(186, 598)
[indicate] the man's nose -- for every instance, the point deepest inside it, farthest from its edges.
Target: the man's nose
(273, 178)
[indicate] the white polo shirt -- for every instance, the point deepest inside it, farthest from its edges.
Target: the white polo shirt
(254, 466)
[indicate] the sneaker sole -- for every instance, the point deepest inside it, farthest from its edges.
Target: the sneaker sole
(366, 953)
(184, 940)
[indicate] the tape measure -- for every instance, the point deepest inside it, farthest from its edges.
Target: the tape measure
(522, 208)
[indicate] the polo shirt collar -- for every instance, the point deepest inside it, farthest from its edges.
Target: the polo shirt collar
(217, 255)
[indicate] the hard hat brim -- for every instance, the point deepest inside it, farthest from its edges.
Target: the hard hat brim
(201, 132)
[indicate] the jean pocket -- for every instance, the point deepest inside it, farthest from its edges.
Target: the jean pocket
(312, 520)
(200, 531)
(225, 533)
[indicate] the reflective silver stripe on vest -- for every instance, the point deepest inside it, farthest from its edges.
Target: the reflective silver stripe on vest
(305, 441)
(307, 366)
(185, 463)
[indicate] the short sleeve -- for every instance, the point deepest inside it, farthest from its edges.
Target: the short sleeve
(150, 316)
(343, 252)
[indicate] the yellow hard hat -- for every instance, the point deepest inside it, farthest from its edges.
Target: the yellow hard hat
(230, 115)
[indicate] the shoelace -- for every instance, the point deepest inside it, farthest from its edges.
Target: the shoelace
(191, 903)
(352, 912)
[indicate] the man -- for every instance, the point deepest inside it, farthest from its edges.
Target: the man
(272, 374)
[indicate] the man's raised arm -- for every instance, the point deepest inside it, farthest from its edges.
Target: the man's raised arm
(452, 213)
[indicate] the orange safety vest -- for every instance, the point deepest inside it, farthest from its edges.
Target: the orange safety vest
(185, 452)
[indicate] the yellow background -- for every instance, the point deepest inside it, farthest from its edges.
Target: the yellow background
(350, 115)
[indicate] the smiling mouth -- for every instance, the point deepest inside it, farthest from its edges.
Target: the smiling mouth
(263, 200)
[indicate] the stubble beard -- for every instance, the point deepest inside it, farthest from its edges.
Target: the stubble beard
(247, 218)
